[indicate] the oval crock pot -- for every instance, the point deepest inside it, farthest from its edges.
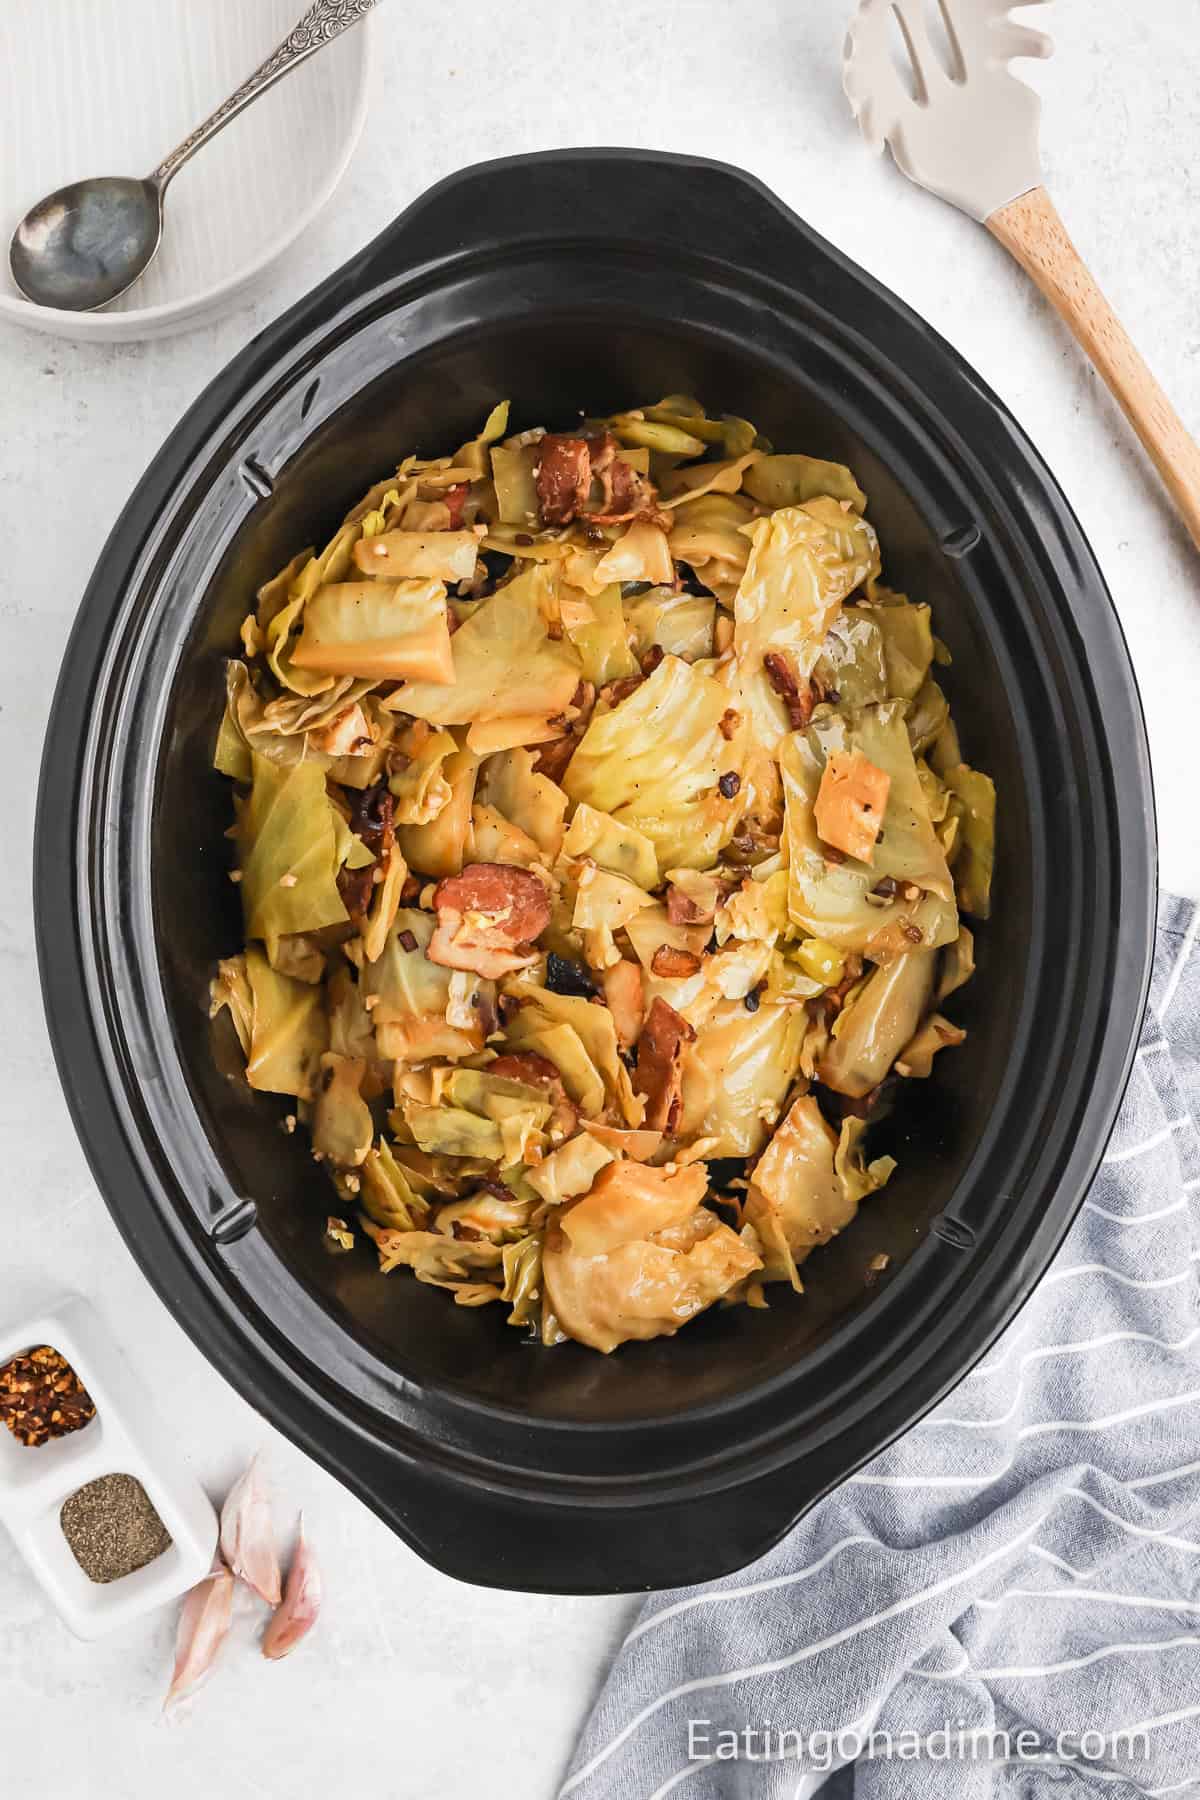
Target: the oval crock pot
(592, 279)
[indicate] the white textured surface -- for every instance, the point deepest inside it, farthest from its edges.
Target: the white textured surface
(109, 87)
(416, 1686)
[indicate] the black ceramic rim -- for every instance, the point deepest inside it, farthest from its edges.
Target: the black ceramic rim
(741, 1472)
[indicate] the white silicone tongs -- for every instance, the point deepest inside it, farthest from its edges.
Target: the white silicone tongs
(966, 127)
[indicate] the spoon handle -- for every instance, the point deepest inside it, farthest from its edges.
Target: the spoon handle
(323, 22)
(1031, 230)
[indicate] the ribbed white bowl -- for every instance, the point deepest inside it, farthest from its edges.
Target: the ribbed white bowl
(108, 87)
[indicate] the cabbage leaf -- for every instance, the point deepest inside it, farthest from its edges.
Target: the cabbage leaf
(655, 761)
(505, 665)
(289, 852)
(835, 899)
(803, 564)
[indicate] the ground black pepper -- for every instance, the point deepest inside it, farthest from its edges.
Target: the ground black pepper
(112, 1527)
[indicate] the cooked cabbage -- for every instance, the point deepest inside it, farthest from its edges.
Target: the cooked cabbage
(504, 664)
(288, 848)
(907, 887)
(280, 1022)
(796, 1199)
(656, 761)
(878, 1020)
(736, 1074)
(407, 997)
(677, 624)
(645, 1288)
(602, 639)
(977, 848)
(802, 565)
(612, 844)
(622, 724)
(791, 480)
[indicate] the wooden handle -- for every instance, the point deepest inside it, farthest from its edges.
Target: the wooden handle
(1032, 231)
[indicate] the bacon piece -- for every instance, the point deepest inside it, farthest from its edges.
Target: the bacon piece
(356, 887)
(563, 478)
(626, 494)
(539, 1071)
(798, 700)
(552, 758)
(488, 918)
(616, 691)
(569, 466)
(526, 1066)
(372, 816)
(456, 498)
(673, 964)
(657, 1073)
(683, 910)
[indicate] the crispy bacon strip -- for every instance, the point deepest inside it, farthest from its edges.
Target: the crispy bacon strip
(565, 474)
(657, 1073)
(488, 918)
(372, 816)
(798, 700)
(683, 910)
(626, 494)
(552, 758)
(563, 478)
(673, 964)
(356, 887)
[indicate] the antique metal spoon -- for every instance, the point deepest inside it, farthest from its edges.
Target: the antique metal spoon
(85, 244)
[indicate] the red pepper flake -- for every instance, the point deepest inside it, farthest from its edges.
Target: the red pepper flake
(41, 1397)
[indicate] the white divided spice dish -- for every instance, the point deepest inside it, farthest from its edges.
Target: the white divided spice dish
(126, 1437)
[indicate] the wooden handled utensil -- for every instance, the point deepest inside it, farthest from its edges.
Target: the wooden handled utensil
(966, 127)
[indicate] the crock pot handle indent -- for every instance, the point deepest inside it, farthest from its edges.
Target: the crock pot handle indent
(573, 197)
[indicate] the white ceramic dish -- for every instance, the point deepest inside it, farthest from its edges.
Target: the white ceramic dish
(127, 1437)
(108, 87)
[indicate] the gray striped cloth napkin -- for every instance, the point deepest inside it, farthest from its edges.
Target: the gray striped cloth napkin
(1007, 1601)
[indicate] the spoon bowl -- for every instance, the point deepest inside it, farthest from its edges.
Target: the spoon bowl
(85, 244)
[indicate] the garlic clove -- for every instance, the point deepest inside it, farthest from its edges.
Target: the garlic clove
(248, 1537)
(297, 1615)
(203, 1624)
